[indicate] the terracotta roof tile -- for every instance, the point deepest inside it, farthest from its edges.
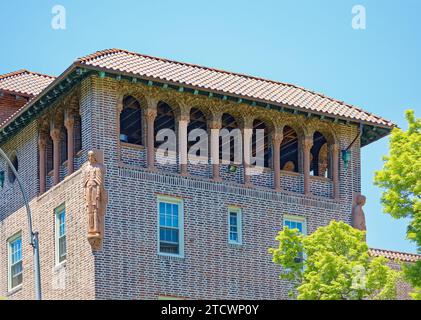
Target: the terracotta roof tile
(395, 255)
(225, 82)
(24, 82)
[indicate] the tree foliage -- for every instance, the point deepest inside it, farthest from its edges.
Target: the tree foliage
(335, 265)
(401, 180)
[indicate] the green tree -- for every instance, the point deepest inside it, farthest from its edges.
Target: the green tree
(333, 263)
(401, 180)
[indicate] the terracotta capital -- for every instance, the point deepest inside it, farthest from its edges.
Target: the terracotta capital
(152, 102)
(42, 142)
(69, 122)
(183, 117)
(247, 122)
(307, 144)
(214, 124)
(277, 138)
(55, 134)
(335, 147)
(150, 114)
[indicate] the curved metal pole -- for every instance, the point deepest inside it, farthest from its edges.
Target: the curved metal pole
(33, 236)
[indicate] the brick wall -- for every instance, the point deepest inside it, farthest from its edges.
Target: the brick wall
(129, 267)
(72, 280)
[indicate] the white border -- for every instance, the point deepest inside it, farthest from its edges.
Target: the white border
(239, 212)
(180, 203)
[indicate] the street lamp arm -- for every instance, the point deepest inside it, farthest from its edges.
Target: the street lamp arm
(33, 237)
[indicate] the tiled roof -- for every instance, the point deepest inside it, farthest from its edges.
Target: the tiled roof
(24, 82)
(395, 255)
(224, 82)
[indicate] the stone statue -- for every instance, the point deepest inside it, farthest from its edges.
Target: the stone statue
(358, 217)
(96, 199)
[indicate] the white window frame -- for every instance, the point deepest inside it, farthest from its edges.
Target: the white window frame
(9, 260)
(239, 213)
(180, 203)
(57, 211)
(301, 219)
(293, 218)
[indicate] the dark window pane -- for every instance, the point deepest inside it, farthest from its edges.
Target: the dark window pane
(77, 134)
(289, 150)
(259, 144)
(229, 123)
(164, 120)
(63, 145)
(131, 121)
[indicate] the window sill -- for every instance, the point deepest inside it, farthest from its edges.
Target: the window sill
(168, 256)
(60, 266)
(14, 290)
(132, 145)
(235, 244)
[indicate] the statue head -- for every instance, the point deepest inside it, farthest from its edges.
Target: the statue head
(360, 200)
(91, 157)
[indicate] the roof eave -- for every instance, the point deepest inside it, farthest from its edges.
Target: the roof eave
(279, 106)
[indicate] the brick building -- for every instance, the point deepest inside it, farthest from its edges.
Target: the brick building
(186, 229)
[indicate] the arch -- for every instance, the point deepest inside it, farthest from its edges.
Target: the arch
(319, 156)
(131, 121)
(77, 138)
(323, 128)
(165, 119)
(198, 120)
(229, 123)
(49, 154)
(259, 142)
(289, 150)
(63, 144)
(15, 163)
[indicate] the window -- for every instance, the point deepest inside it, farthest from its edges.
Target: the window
(260, 143)
(293, 222)
(61, 251)
(197, 121)
(234, 226)
(131, 121)
(15, 163)
(77, 138)
(50, 155)
(165, 119)
(15, 261)
(289, 150)
(230, 140)
(171, 229)
(319, 156)
(63, 145)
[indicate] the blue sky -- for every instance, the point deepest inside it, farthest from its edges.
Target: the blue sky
(309, 43)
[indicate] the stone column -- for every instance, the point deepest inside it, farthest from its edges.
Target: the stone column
(69, 122)
(276, 144)
(150, 115)
(42, 143)
(183, 121)
(307, 144)
(55, 136)
(335, 169)
(247, 150)
(214, 127)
